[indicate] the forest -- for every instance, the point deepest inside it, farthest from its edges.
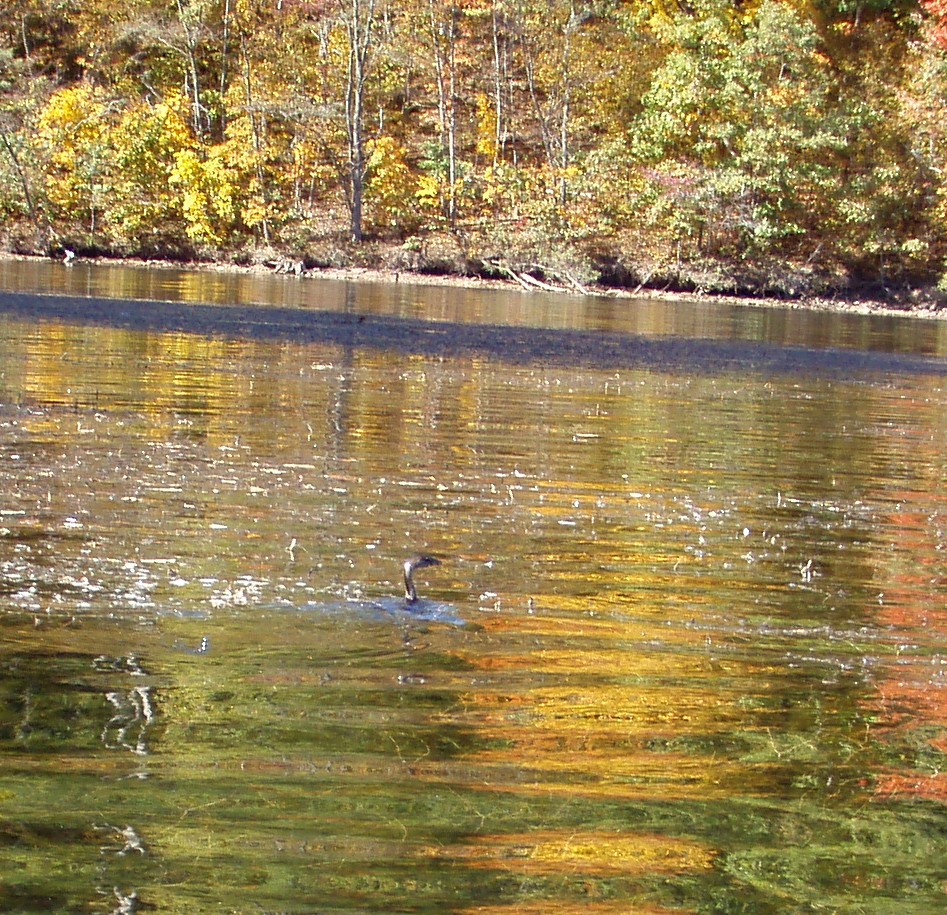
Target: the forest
(780, 147)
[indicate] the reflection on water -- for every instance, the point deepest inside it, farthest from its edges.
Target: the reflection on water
(652, 318)
(685, 651)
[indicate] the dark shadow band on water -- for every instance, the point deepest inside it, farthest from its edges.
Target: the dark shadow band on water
(516, 345)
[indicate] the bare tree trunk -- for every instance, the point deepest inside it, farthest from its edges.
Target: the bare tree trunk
(452, 121)
(190, 19)
(553, 108)
(564, 137)
(442, 23)
(258, 139)
(499, 71)
(224, 64)
(359, 19)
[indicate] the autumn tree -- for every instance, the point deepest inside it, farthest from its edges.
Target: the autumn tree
(20, 173)
(740, 129)
(441, 34)
(921, 101)
(358, 20)
(72, 139)
(937, 10)
(544, 135)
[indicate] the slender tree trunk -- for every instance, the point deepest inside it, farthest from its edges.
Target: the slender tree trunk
(359, 20)
(442, 24)
(190, 27)
(224, 65)
(499, 69)
(553, 107)
(452, 120)
(564, 125)
(258, 138)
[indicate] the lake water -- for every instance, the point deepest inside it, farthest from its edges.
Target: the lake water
(686, 650)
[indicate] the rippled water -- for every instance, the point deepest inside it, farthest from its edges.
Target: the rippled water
(685, 651)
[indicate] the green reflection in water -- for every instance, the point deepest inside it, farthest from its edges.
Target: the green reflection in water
(693, 660)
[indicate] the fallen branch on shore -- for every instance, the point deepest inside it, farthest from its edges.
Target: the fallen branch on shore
(565, 281)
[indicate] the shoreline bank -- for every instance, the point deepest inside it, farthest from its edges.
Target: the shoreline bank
(853, 306)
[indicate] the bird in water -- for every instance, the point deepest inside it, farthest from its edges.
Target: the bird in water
(415, 562)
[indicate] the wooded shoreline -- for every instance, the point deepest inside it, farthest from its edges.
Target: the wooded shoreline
(767, 149)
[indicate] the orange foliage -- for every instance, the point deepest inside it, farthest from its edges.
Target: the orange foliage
(937, 10)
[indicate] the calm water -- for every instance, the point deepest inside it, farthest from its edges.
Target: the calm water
(686, 652)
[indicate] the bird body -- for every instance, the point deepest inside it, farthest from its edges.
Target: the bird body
(415, 562)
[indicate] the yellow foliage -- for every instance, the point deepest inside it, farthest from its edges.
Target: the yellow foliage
(152, 135)
(486, 127)
(207, 194)
(391, 188)
(146, 144)
(72, 116)
(428, 193)
(241, 191)
(72, 138)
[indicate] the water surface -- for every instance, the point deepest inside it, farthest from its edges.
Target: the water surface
(686, 651)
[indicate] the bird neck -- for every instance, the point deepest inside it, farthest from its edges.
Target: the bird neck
(410, 593)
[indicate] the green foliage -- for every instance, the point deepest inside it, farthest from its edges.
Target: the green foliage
(741, 130)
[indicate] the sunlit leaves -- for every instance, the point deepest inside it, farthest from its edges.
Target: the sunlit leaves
(72, 136)
(146, 142)
(748, 111)
(207, 195)
(391, 189)
(110, 169)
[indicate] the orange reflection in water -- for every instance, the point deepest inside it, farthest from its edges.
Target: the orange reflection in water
(910, 700)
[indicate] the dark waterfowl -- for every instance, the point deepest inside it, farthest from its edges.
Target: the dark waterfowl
(415, 562)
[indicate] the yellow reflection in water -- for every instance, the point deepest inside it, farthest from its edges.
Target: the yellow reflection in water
(547, 852)
(566, 907)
